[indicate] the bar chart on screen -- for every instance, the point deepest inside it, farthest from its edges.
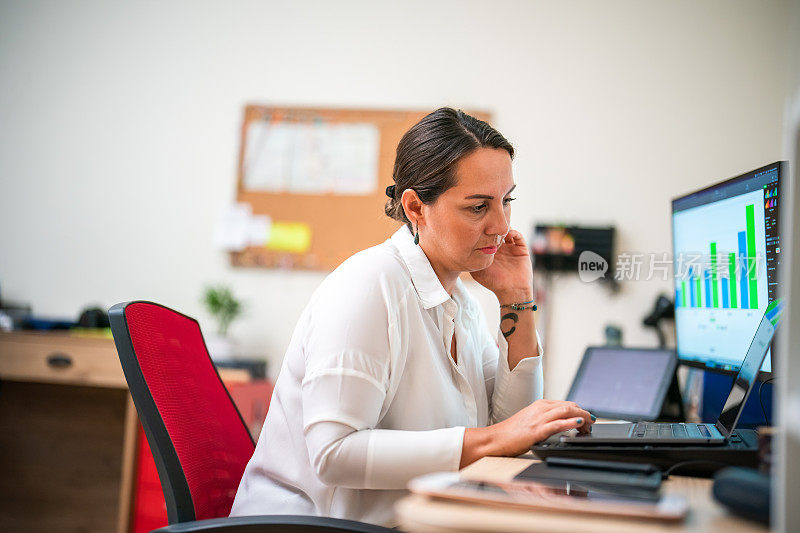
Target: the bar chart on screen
(721, 272)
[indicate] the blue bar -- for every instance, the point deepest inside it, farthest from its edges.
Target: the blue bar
(707, 276)
(691, 288)
(742, 275)
(774, 311)
(725, 294)
(677, 297)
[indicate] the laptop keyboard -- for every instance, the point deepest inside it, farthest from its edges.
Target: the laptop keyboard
(652, 430)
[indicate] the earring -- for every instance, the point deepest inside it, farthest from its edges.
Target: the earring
(416, 236)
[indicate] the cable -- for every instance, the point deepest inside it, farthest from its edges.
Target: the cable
(669, 470)
(763, 410)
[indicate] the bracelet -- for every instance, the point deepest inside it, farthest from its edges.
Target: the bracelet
(521, 306)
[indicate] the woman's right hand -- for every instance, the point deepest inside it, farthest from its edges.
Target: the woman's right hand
(515, 435)
(537, 422)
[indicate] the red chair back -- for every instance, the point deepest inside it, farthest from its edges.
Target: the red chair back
(198, 438)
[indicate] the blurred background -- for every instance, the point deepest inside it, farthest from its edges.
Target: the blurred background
(121, 137)
(121, 133)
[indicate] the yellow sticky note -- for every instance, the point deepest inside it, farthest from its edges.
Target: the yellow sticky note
(292, 237)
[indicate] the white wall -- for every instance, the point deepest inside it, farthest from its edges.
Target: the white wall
(119, 131)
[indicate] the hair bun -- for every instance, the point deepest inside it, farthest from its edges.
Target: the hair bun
(390, 191)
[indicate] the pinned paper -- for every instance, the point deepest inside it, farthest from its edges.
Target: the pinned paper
(237, 228)
(289, 237)
(231, 231)
(311, 158)
(258, 230)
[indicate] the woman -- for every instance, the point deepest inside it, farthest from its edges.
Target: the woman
(391, 372)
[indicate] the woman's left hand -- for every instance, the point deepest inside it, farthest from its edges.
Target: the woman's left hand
(511, 272)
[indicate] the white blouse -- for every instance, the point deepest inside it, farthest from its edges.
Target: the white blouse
(369, 397)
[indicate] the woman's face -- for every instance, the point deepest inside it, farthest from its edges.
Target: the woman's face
(461, 230)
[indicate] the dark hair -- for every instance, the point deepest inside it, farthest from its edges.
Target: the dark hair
(428, 153)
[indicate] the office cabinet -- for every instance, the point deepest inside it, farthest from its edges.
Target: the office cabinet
(69, 433)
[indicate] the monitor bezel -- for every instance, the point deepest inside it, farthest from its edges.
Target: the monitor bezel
(780, 166)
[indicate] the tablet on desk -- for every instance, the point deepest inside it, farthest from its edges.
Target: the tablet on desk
(552, 496)
(623, 383)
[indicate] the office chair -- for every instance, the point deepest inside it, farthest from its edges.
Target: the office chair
(199, 441)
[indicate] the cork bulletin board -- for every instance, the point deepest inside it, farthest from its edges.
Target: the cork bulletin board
(320, 176)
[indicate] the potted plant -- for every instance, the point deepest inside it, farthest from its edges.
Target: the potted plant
(224, 307)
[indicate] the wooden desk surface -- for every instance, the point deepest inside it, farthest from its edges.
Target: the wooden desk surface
(421, 514)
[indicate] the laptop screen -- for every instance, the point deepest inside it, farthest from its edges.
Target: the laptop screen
(743, 382)
(627, 383)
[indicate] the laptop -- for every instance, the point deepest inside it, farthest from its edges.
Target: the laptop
(653, 434)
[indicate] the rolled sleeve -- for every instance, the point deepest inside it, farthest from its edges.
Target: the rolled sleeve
(515, 389)
(395, 457)
(341, 407)
(342, 395)
(382, 458)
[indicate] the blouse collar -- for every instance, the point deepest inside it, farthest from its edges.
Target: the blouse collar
(427, 284)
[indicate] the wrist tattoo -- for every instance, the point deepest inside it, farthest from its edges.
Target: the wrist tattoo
(509, 316)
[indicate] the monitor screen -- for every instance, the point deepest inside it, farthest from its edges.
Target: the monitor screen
(726, 252)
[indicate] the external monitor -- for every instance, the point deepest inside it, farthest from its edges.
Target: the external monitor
(726, 251)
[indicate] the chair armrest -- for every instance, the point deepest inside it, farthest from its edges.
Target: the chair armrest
(274, 523)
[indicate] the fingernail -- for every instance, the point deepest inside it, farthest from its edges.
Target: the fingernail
(579, 421)
(594, 418)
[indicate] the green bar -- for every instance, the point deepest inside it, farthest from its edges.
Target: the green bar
(699, 301)
(683, 293)
(732, 278)
(751, 255)
(714, 282)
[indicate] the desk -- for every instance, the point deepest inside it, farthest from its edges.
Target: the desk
(419, 514)
(68, 433)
